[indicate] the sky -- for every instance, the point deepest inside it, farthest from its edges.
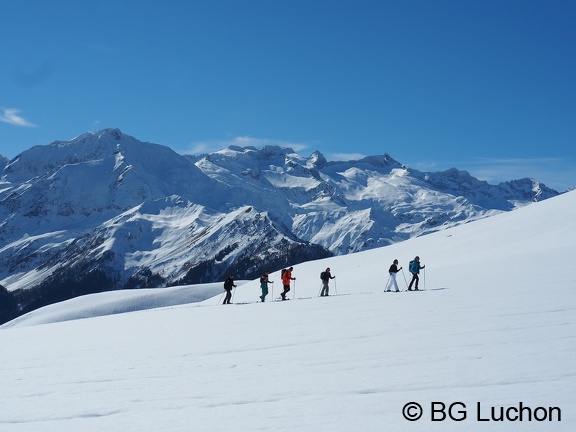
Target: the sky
(485, 86)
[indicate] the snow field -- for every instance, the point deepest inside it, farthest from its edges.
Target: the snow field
(496, 325)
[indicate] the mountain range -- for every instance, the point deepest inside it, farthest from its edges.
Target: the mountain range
(487, 344)
(105, 211)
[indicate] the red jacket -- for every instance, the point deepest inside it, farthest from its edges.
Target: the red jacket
(287, 277)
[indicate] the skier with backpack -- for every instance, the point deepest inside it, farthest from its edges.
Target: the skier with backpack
(415, 268)
(228, 285)
(264, 285)
(286, 278)
(325, 276)
(393, 270)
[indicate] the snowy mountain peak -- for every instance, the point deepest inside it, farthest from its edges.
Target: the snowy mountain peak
(380, 161)
(528, 189)
(318, 160)
(112, 134)
(46, 159)
(105, 207)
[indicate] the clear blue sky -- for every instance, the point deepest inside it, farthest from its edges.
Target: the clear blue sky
(488, 86)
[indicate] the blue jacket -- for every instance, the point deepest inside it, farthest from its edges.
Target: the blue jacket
(415, 267)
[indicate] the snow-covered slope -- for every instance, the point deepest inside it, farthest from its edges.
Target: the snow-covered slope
(495, 326)
(105, 211)
(116, 302)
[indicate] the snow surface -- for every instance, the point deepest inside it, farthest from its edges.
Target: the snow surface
(496, 324)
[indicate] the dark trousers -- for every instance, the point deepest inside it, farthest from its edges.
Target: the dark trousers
(415, 278)
(286, 289)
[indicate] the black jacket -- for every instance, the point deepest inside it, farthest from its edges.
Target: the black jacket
(229, 284)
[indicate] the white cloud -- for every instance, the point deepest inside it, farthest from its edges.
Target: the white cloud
(345, 156)
(10, 116)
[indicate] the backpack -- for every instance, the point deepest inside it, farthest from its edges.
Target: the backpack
(262, 279)
(412, 266)
(282, 272)
(228, 283)
(323, 276)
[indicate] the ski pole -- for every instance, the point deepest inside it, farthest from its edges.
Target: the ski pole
(424, 277)
(220, 299)
(405, 281)
(233, 292)
(388, 281)
(321, 288)
(335, 288)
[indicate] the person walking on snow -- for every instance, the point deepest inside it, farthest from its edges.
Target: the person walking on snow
(228, 285)
(325, 276)
(414, 268)
(264, 285)
(286, 278)
(393, 270)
